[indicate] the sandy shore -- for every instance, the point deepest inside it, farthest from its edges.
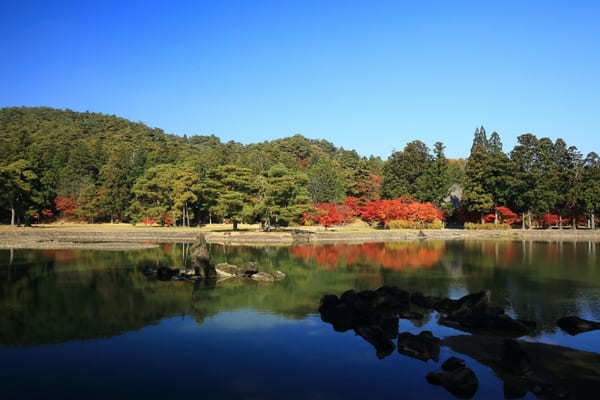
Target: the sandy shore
(127, 237)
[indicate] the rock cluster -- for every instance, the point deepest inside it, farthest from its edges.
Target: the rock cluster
(373, 314)
(201, 267)
(474, 313)
(548, 371)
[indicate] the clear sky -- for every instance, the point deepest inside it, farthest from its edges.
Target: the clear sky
(368, 75)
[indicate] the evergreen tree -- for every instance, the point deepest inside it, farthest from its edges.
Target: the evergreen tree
(402, 170)
(286, 197)
(15, 188)
(233, 188)
(326, 183)
(475, 197)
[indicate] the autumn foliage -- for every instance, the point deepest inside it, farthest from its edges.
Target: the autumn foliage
(377, 211)
(400, 209)
(65, 204)
(549, 219)
(398, 256)
(505, 215)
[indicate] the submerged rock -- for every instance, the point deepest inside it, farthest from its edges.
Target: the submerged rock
(456, 378)
(549, 371)
(474, 313)
(575, 325)
(423, 346)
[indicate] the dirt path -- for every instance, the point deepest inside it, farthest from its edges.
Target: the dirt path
(126, 237)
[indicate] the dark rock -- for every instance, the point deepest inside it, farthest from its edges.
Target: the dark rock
(423, 346)
(262, 277)
(514, 359)
(249, 269)
(460, 381)
(278, 275)
(418, 299)
(165, 274)
(549, 371)
(575, 325)
(410, 315)
(379, 337)
(337, 312)
(515, 388)
(474, 313)
(391, 297)
(453, 363)
(200, 259)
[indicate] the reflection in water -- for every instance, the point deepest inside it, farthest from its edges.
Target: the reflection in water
(396, 256)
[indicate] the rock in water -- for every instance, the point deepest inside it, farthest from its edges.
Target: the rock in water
(278, 275)
(200, 259)
(575, 325)
(225, 269)
(263, 277)
(165, 274)
(423, 346)
(455, 378)
(453, 363)
(249, 269)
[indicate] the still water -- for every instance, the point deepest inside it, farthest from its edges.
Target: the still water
(89, 324)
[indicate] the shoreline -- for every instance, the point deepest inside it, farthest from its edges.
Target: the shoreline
(127, 237)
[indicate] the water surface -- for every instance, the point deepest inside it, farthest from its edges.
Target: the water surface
(80, 323)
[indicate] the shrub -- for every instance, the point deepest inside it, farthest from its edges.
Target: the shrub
(486, 227)
(405, 224)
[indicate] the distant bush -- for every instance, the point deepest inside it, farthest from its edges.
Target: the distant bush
(486, 227)
(404, 224)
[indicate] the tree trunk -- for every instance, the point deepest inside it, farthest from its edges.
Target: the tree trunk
(12, 216)
(235, 225)
(529, 218)
(482, 220)
(560, 222)
(523, 221)
(210, 218)
(495, 217)
(574, 223)
(593, 221)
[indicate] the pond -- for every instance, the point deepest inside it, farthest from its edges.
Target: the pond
(90, 324)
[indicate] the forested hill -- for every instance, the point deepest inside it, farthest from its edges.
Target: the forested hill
(96, 167)
(70, 153)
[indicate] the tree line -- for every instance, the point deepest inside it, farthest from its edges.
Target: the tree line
(101, 168)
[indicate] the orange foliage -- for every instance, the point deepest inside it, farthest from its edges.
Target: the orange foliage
(505, 215)
(549, 219)
(388, 256)
(402, 208)
(65, 204)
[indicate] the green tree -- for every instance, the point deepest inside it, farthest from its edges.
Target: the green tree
(326, 182)
(475, 197)
(286, 197)
(233, 188)
(402, 170)
(15, 187)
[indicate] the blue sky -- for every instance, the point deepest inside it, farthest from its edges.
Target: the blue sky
(368, 75)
